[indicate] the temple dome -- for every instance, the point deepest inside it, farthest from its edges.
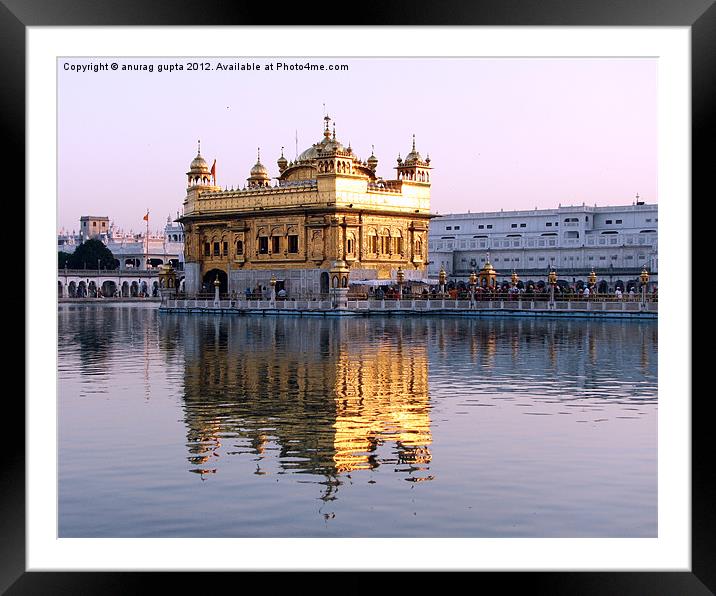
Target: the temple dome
(325, 145)
(198, 165)
(259, 170)
(282, 161)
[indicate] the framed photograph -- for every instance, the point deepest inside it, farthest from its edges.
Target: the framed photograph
(501, 168)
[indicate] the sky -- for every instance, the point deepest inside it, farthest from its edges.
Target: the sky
(502, 133)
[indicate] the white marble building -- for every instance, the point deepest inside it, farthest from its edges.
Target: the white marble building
(133, 250)
(617, 242)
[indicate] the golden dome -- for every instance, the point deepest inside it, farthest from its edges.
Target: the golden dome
(413, 157)
(198, 165)
(259, 170)
(339, 265)
(325, 145)
(372, 160)
(282, 161)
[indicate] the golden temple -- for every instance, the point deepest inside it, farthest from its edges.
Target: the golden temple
(324, 207)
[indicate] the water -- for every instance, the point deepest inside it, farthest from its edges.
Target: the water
(203, 426)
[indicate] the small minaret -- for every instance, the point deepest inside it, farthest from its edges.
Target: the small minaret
(414, 168)
(372, 160)
(282, 163)
(199, 173)
(259, 175)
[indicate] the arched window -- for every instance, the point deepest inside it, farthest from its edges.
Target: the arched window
(397, 242)
(385, 241)
(263, 241)
(239, 247)
(372, 241)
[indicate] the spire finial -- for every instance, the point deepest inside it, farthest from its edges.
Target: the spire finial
(334, 131)
(372, 149)
(413, 141)
(198, 150)
(258, 155)
(326, 130)
(281, 151)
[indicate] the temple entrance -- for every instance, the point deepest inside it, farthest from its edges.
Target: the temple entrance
(210, 277)
(324, 282)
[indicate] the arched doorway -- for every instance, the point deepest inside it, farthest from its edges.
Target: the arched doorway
(324, 282)
(602, 287)
(125, 289)
(60, 288)
(109, 288)
(211, 276)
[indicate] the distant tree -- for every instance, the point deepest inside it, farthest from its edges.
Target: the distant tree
(63, 258)
(87, 255)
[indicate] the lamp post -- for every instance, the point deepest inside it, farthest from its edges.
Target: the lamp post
(514, 279)
(400, 276)
(473, 283)
(552, 278)
(592, 281)
(644, 278)
(217, 285)
(441, 278)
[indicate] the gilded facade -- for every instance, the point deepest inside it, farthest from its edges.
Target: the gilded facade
(325, 206)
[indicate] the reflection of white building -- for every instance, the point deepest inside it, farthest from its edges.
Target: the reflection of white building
(132, 250)
(616, 242)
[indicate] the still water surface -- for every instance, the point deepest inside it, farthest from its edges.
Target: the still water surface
(202, 426)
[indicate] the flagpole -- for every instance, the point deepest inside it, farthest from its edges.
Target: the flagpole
(146, 249)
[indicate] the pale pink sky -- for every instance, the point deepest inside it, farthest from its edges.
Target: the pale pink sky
(501, 133)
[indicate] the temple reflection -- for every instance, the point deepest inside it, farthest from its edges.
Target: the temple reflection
(308, 395)
(324, 397)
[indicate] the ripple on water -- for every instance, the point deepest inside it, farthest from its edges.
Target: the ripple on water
(208, 425)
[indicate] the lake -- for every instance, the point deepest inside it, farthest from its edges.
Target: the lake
(178, 425)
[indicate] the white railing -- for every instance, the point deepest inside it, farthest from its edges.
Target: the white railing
(608, 303)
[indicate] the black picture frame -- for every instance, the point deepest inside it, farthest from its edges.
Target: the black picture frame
(17, 15)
